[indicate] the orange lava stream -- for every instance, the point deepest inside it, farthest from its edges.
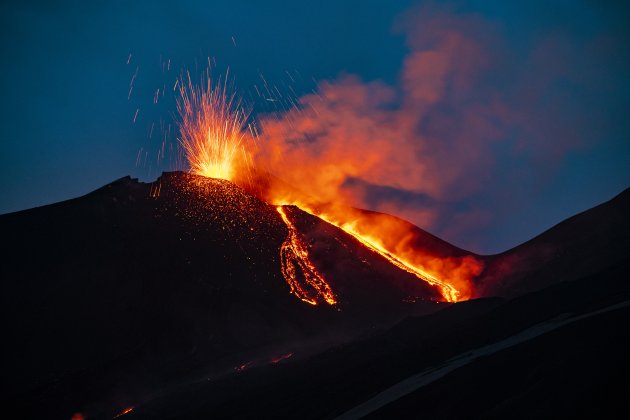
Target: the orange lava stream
(125, 411)
(294, 255)
(448, 291)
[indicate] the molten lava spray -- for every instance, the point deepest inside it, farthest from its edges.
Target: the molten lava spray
(212, 129)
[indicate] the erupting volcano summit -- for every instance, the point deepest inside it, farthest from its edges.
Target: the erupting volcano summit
(212, 135)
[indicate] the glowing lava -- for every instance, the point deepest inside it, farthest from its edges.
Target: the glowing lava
(399, 242)
(303, 278)
(448, 291)
(408, 248)
(280, 358)
(244, 366)
(124, 412)
(211, 129)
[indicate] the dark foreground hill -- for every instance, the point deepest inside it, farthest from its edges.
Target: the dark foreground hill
(169, 297)
(556, 353)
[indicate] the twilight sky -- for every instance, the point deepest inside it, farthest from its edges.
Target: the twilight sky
(485, 122)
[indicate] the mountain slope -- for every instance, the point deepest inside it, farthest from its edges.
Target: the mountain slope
(171, 296)
(583, 244)
(135, 287)
(572, 366)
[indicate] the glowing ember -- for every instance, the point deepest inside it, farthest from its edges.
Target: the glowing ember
(154, 191)
(125, 411)
(303, 278)
(211, 129)
(77, 416)
(244, 366)
(280, 358)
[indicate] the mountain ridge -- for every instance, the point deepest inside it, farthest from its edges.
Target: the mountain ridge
(125, 292)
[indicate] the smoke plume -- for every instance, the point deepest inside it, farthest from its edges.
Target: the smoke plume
(427, 149)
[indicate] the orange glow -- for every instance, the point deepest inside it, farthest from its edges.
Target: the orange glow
(449, 292)
(77, 416)
(125, 411)
(211, 129)
(451, 276)
(303, 278)
(154, 191)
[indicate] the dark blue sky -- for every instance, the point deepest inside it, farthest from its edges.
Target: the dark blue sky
(67, 123)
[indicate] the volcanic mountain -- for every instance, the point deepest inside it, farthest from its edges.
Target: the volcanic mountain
(556, 352)
(134, 287)
(190, 297)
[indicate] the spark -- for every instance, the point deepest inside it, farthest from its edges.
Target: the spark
(124, 412)
(280, 358)
(133, 78)
(244, 366)
(211, 128)
(155, 190)
(138, 157)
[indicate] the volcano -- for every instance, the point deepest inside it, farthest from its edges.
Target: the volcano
(137, 286)
(186, 296)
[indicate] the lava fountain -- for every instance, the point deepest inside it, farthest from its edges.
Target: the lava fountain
(211, 126)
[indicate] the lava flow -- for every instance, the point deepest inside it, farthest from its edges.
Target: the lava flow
(296, 264)
(448, 291)
(124, 412)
